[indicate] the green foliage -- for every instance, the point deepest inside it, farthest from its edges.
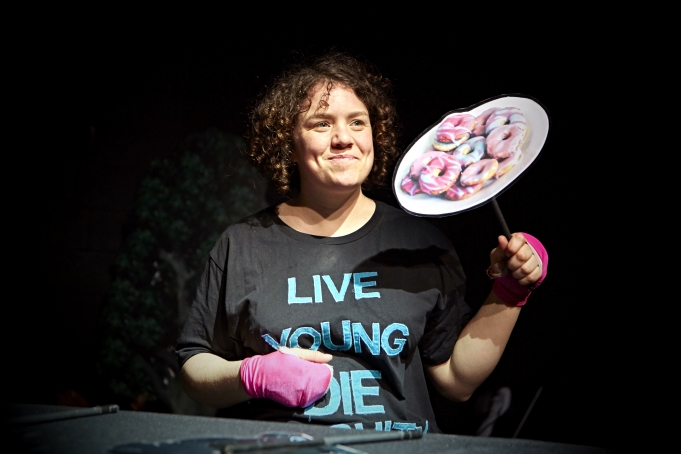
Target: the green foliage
(186, 201)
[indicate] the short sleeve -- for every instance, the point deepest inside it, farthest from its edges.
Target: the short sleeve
(451, 313)
(207, 328)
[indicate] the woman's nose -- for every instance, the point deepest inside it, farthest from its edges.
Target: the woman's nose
(341, 137)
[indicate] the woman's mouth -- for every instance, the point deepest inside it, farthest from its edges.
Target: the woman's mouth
(341, 157)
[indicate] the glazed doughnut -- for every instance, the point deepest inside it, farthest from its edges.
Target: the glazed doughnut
(439, 174)
(458, 192)
(421, 161)
(469, 152)
(453, 130)
(410, 186)
(481, 122)
(479, 172)
(505, 116)
(504, 140)
(465, 120)
(506, 164)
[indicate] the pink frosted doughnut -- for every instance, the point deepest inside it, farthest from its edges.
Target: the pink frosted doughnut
(506, 164)
(439, 174)
(505, 116)
(453, 130)
(410, 186)
(421, 161)
(479, 172)
(465, 120)
(504, 140)
(457, 192)
(469, 152)
(481, 122)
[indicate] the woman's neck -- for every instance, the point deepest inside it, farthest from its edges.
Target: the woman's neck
(324, 215)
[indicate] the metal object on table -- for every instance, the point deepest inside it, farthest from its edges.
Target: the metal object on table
(339, 440)
(66, 414)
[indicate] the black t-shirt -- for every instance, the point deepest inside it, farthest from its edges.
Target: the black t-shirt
(385, 300)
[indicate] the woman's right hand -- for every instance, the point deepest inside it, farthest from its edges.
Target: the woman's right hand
(309, 355)
(294, 377)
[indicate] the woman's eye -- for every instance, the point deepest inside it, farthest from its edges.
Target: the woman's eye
(357, 123)
(322, 124)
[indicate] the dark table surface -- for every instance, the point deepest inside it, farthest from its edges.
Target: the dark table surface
(146, 432)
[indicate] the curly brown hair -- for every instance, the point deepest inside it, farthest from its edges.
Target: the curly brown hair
(272, 120)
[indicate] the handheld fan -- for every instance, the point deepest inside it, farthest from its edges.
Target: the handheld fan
(470, 156)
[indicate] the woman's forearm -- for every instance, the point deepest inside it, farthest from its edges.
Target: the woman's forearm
(213, 381)
(477, 350)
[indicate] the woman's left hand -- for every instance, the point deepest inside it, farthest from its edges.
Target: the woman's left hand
(516, 257)
(517, 266)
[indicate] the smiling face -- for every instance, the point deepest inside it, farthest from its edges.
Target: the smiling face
(333, 146)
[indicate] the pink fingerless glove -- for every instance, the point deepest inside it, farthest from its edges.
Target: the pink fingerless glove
(285, 378)
(507, 287)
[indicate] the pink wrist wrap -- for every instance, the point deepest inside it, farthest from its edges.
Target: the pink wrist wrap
(507, 287)
(285, 378)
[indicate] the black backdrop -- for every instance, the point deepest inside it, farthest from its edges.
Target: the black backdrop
(157, 88)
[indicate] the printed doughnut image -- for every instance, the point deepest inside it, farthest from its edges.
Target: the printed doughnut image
(468, 153)
(470, 156)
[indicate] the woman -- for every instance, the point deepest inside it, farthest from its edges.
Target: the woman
(329, 307)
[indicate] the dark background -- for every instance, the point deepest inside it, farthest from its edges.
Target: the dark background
(111, 105)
